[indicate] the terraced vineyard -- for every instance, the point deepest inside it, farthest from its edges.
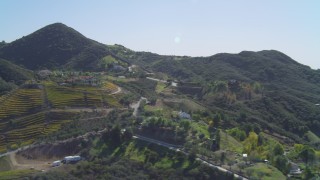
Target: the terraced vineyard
(26, 130)
(21, 102)
(61, 97)
(110, 87)
(26, 113)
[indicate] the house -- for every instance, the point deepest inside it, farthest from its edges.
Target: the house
(44, 73)
(118, 68)
(295, 170)
(184, 115)
(174, 84)
(83, 80)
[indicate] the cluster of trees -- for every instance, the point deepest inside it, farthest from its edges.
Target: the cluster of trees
(166, 130)
(304, 152)
(259, 148)
(234, 90)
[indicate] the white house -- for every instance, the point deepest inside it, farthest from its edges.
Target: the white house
(294, 170)
(184, 115)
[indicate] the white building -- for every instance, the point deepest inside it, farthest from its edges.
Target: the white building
(184, 115)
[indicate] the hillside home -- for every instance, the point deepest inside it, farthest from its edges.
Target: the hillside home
(184, 115)
(44, 73)
(295, 170)
(83, 80)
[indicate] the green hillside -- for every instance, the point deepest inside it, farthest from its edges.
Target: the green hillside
(284, 101)
(289, 90)
(11, 72)
(52, 47)
(12, 75)
(217, 108)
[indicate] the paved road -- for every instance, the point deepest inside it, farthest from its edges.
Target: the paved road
(221, 168)
(161, 143)
(179, 148)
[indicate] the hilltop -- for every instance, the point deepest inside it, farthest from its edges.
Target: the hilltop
(53, 46)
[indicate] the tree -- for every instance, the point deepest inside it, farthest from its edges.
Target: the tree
(222, 157)
(281, 163)
(278, 150)
(249, 172)
(308, 155)
(151, 156)
(185, 124)
(192, 156)
(115, 136)
(308, 173)
(257, 88)
(211, 126)
(201, 136)
(125, 100)
(260, 139)
(251, 143)
(218, 139)
(220, 86)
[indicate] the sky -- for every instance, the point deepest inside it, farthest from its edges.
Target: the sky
(178, 27)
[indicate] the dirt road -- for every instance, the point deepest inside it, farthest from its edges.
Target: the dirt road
(19, 162)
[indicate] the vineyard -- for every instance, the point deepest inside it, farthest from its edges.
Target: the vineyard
(26, 114)
(62, 97)
(21, 102)
(26, 130)
(109, 87)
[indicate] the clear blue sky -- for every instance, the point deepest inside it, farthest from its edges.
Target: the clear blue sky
(178, 27)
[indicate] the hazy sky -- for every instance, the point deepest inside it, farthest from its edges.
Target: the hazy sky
(178, 27)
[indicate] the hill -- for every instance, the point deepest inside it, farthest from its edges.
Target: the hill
(290, 89)
(11, 72)
(284, 101)
(53, 46)
(11, 75)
